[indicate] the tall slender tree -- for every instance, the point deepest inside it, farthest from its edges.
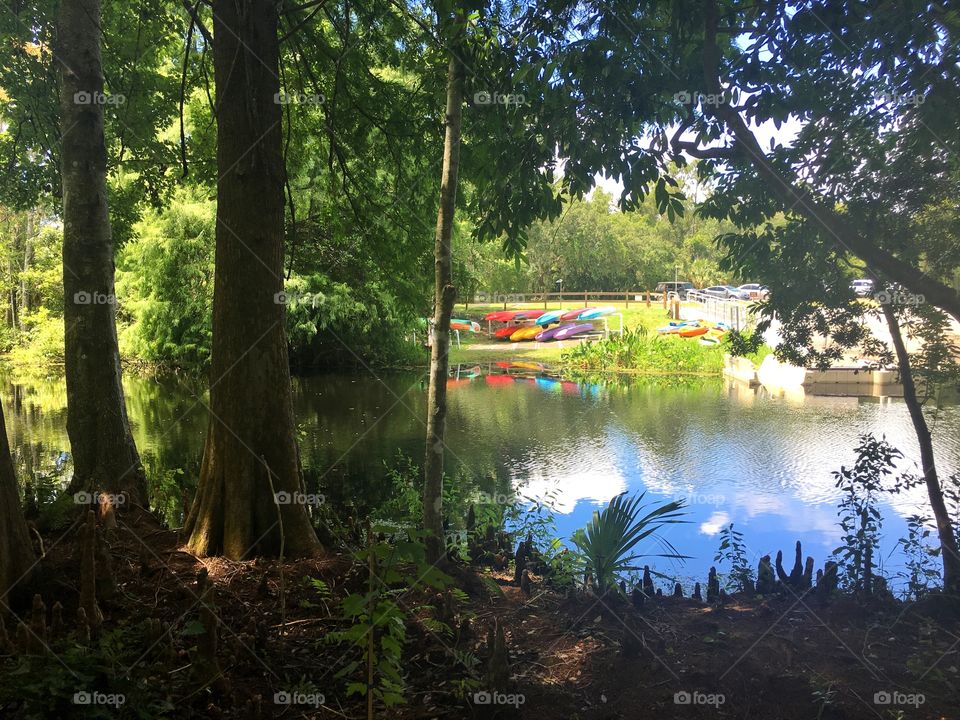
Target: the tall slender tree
(16, 553)
(444, 296)
(948, 541)
(105, 456)
(251, 485)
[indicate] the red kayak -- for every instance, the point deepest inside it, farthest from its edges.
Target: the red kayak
(501, 315)
(574, 314)
(498, 379)
(528, 314)
(504, 333)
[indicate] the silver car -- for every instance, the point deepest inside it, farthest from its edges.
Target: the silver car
(726, 292)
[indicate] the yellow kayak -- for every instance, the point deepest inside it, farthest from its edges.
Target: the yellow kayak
(526, 333)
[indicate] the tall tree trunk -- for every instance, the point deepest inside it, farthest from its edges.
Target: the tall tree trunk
(25, 299)
(251, 449)
(948, 541)
(444, 295)
(105, 458)
(16, 553)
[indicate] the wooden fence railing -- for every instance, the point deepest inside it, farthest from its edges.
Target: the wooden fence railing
(629, 296)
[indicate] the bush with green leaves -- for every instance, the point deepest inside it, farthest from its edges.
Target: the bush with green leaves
(608, 541)
(860, 519)
(733, 551)
(165, 283)
(638, 349)
(921, 567)
(397, 576)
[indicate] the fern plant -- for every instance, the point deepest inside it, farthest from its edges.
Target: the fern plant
(608, 541)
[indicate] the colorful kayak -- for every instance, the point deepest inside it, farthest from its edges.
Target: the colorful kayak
(597, 312)
(550, 317)
(525, 333)
(693, 331)
(501, 315)
(504, 333)
(574, 314)
(675, 327)
(464, 325)
(571, 331)
(550, 334)
(528, 314)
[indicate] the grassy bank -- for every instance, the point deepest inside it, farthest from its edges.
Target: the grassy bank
(639, 349)
(480, 348)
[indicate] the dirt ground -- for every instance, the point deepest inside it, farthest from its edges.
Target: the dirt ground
(572, 656)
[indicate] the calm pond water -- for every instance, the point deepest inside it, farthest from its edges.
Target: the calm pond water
(737, 454)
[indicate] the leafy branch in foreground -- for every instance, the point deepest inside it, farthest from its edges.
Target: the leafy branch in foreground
(612, 534)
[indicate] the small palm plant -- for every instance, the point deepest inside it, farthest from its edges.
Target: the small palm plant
(611, 535)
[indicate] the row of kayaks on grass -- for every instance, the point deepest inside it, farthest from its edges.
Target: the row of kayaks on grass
(708, 333)
(539, 330)
(540, 334)
(546, 317)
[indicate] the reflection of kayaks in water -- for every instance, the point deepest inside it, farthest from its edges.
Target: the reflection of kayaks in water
(551, 316)
(525, 333)
(574, 314)
(548, 383)
(498, 379)
(571, 331)
(550, 334)
(527, 365)
(596, 312)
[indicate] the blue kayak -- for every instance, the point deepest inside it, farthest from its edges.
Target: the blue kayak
(550, 317)
(594, 313)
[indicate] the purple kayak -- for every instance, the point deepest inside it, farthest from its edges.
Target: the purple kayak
(568, 332)
(551, 333)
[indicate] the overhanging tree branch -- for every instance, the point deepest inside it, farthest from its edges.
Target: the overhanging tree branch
(879, 261)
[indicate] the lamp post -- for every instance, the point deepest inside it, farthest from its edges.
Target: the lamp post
(559, 284)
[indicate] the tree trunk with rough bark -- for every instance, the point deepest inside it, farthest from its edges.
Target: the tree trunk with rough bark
(948, 541)
(250, 498)
(105, 457)
(16, 552)
(444, 295)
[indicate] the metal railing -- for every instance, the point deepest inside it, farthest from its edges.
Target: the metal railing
(572, 298)
(735, 313)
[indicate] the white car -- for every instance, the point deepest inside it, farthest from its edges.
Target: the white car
(756, 291)
(862, 288)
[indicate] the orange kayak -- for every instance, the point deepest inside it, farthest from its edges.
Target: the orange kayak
(693, 331)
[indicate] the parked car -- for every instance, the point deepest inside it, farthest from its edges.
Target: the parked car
(756, 291)
(726, 292)
(680, 288)
(862, 287)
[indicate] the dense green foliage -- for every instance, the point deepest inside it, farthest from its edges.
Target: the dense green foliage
(595, 246)
(640, 349)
